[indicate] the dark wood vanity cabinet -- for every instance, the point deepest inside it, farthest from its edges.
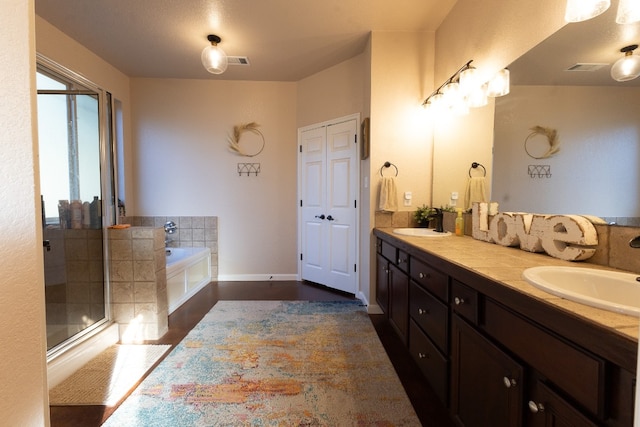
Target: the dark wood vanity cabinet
(488, 362)
(392, 287)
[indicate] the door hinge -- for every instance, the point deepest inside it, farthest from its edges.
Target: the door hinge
(355, 268)
(355, 204)
(300, 203)
(355, 138)
(301, 148)
(300, 257)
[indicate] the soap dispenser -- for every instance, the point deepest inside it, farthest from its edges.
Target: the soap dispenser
(459, 224)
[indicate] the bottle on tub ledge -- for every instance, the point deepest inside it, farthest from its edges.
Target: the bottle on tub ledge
(96, 213)
(76, 214)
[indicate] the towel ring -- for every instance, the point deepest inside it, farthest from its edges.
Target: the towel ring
(386, 165)
(475, 165)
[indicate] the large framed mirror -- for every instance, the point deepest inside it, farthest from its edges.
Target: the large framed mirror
(564, 85)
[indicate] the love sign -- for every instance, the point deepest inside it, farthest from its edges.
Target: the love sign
(568, 237)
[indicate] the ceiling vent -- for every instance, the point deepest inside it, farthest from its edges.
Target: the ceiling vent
(584, 66)
(238, 60)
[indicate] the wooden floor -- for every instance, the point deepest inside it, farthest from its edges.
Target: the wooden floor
(430, 411)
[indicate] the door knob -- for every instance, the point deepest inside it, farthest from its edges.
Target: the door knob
(330, 218)
(320, 216)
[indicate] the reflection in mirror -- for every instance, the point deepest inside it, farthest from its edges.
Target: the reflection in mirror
(595, 169)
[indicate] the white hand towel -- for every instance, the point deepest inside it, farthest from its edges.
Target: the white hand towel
(476, 191)
(388, 195)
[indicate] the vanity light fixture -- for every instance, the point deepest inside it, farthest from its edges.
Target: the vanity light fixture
(628, 12)
(213, 57)
(581, 10)
(627, 67)
(465, 89)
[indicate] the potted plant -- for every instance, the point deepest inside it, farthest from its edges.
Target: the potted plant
(423, 215)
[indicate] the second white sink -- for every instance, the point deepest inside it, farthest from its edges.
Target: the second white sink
(609, 290)
(422, 232)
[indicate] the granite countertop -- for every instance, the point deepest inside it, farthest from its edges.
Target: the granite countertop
(505, 265)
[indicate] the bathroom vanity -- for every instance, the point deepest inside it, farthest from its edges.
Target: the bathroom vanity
(496, 350)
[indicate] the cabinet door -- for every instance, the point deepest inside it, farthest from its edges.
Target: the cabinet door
(486, 384)
(382, 283)
(399, 301)
(547, 409)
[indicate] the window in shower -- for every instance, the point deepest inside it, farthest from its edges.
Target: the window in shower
(76, 181)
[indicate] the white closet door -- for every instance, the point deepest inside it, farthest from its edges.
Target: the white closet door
(329, 195)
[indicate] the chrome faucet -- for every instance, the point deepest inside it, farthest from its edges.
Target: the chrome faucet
(170, 227)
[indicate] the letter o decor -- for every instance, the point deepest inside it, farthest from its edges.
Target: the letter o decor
(552, 139)
(238, 130)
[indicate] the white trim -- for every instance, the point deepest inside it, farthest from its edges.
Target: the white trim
(371, 308)
(256, 277)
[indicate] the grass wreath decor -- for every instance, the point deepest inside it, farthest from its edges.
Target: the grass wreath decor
(238, 130)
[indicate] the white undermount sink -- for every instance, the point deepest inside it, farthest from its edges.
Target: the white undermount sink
(609, 290)
(421, 232)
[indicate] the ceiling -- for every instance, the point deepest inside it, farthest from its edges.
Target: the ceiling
(284, 40)
(596, 41)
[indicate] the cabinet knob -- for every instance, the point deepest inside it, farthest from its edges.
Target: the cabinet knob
(400, 260)
(386, 271)
(423, 311)
(509, 382)
(458, 300)
(535, 407)
(424, 276)
(423, 356)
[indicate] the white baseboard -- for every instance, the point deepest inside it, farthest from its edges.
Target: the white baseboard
(256, 277)
(70, 361)
(371, 308)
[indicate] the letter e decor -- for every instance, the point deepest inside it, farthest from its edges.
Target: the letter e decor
(567, 237)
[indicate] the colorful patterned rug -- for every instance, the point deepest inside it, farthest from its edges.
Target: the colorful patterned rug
(273, 363)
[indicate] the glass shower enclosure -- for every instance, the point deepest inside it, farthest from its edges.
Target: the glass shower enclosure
(75, 179)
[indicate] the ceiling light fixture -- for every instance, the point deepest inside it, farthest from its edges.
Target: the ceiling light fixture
(581, 10)
(213, 57)
(627, 67)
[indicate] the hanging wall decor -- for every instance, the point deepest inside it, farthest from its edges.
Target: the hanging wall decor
(234, 140)
(551, 136)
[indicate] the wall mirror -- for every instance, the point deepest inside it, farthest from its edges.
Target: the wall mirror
(564, 84)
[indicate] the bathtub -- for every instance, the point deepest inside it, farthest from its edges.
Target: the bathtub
(188, 271)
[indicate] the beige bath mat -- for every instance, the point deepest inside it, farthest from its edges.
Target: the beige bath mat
(108, 377)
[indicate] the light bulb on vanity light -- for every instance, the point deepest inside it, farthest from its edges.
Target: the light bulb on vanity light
(628, 67)
(581, 10)
(628, 12)
(499, 84)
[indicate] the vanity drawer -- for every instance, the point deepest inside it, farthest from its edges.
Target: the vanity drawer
(432, 363)
(429, 278)
(430, 314)
(464, 301)
(403, 261)
(388, 251)
(578, 373)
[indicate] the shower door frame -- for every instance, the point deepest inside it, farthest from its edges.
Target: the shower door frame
(108, 188)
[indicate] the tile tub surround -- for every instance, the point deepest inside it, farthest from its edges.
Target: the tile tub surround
(138, 282)
(613, 241)
(193, 231)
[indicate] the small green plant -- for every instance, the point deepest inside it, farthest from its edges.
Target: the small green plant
(423, 215)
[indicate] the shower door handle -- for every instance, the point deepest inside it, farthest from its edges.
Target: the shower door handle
(47, 244)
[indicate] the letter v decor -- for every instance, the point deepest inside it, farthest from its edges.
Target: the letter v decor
(567, 237)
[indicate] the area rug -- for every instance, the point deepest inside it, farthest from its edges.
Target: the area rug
(273, 363)
(108, 377)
